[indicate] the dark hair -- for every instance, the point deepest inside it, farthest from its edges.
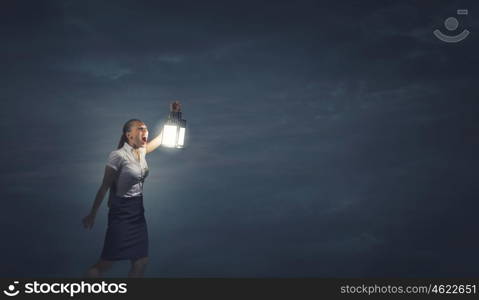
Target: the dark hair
(126, 128)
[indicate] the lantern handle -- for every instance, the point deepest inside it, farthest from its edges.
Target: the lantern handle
(175, 106)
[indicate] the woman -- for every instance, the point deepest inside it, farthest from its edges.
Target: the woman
(126, 170)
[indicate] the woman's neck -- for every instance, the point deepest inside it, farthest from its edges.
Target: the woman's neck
(133, 146)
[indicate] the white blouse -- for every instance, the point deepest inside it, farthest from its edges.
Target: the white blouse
(131, 172)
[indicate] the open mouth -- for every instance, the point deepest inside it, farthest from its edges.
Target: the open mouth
(144, 139)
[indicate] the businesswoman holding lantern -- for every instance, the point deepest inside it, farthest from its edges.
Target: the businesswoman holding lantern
(125, 172)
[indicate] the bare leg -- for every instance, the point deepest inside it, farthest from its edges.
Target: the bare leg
(99, 268)
(138, 267)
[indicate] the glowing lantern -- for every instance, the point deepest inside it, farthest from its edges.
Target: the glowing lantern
(174, 129)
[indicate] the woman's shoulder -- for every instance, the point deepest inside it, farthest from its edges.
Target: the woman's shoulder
(116, 158)
(119, 150)
(116, 152)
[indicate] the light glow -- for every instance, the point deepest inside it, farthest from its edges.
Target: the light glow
(181, 137)
(169, 135)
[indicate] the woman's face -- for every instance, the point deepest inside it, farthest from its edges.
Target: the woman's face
(138, 135)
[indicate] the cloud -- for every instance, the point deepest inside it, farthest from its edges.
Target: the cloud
(171, 58)
(103, 69)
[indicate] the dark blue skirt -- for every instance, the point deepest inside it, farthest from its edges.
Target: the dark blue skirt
(126, 235)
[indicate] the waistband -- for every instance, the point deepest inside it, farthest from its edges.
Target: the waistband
(130, 198)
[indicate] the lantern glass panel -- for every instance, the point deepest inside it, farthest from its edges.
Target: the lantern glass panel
(181, 137)
(169, 135)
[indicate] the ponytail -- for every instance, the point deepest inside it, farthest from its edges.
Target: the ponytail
(122, 141)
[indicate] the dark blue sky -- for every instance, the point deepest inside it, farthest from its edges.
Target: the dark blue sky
(326, 138)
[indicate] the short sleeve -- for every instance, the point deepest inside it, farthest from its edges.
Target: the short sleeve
(114, 160)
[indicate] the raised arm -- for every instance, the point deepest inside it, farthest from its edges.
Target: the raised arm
(108, 179)
(154, 143)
